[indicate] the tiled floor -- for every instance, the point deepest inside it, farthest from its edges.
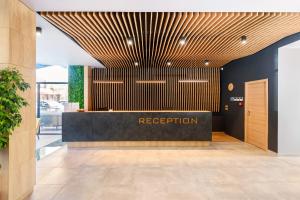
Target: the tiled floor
(225, 170)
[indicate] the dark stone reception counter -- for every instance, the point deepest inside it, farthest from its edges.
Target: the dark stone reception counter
(137, 126)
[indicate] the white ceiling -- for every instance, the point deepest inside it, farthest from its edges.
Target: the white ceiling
(55, 48)
(166, 5)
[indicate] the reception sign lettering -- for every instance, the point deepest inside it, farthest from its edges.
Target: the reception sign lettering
(169, 120)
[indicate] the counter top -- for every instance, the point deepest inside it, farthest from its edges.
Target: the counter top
(137, 126)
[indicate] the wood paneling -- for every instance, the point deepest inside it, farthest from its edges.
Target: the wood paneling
(256, 113)
(134, 89)
(216, 137)
(212, 36)
(17, 49)
(87, 88)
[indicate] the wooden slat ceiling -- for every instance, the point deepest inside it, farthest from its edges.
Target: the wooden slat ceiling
(210, 36)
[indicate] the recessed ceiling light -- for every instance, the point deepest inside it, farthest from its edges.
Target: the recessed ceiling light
(169, 63)
(136, 64)
(182, 41)
(130, 41)
(38, 31)
(244, 40)
(206, 62)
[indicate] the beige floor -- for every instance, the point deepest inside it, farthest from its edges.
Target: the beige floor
(225, 170)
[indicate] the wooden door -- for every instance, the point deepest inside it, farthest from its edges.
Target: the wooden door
(256, 113)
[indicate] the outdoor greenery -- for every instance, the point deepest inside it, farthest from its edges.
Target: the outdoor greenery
(76, 84)
(11, 82)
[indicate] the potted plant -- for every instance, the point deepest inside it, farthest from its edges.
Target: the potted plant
(11, 102)
(12, 85)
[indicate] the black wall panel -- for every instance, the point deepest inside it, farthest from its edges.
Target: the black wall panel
(261, 65)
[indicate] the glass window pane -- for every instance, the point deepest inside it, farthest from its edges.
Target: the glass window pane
(52, 100)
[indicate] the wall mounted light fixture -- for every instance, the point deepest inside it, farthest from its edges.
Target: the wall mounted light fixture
(151, 81)
(109, 82)
(192, 81)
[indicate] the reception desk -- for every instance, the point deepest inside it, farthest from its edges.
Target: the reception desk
(121, 126)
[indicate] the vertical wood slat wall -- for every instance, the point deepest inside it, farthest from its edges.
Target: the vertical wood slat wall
(171, 95)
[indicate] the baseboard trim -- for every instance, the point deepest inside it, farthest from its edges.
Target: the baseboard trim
(139, 144)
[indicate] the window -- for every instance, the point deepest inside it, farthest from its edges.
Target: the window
(52, 95)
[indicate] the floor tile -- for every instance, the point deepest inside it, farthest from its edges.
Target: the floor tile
(224, 170)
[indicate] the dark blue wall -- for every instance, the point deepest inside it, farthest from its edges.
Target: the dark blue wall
(261, 65)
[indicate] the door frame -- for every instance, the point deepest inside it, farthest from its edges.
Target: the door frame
(266, 81)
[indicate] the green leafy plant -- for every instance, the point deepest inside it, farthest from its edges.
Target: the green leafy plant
(76, 84)
(11, 82)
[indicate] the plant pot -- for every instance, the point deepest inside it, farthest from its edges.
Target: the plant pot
(4, 161)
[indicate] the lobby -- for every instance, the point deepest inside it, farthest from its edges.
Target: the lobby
(149, 100)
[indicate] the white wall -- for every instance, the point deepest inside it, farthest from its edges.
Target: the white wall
(289, 101)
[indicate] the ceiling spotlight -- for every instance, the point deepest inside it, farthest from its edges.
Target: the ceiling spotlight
(136, 64)
(182, 41)
(169, 63)
(38, 31)
(130, 41)
(206, 62)
(222, 68)
(244, 40)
